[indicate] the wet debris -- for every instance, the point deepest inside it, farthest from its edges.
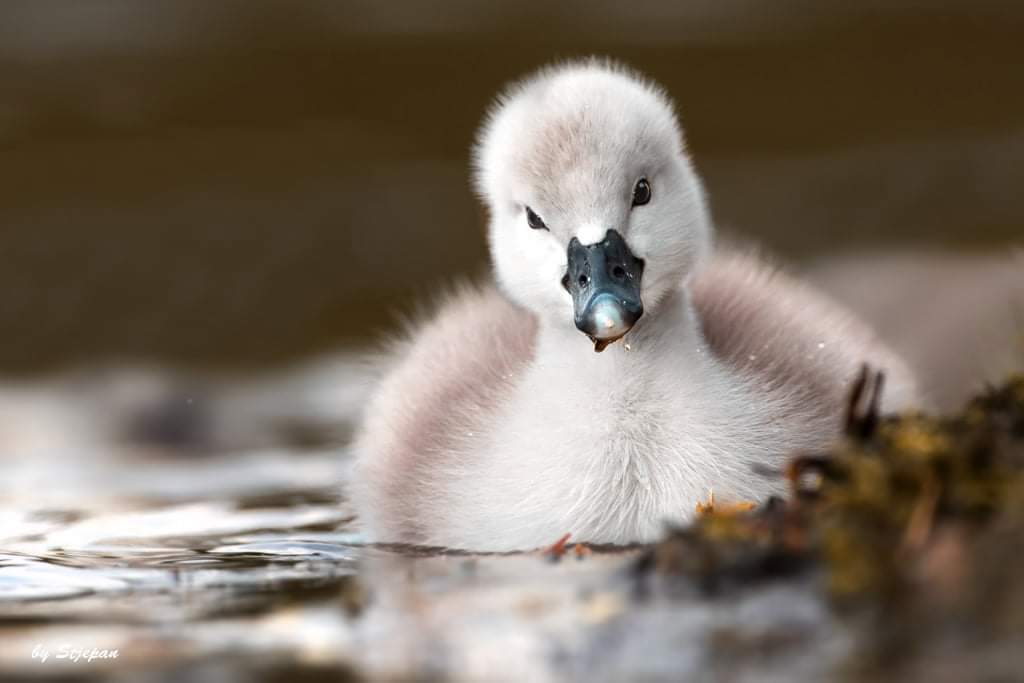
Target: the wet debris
(913, 526)
(727, 548)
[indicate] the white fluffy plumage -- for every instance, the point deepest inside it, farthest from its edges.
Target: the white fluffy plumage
(497, 426)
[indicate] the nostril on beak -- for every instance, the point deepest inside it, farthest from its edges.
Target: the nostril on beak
(619, 273)
(583, 281)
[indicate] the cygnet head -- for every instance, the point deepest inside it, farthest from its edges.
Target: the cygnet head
(596, 212)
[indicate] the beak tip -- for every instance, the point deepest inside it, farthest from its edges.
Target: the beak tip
(606, 319)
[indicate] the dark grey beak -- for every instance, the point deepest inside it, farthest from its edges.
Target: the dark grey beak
(604, 281)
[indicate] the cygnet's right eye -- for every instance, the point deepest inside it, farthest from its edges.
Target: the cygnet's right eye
(534, 221)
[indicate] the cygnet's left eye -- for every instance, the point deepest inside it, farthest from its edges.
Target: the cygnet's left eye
(641, 192)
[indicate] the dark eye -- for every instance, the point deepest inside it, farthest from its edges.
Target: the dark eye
(642, 192)
(534, 221)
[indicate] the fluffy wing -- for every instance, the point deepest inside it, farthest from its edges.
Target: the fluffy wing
(443, 381)
(790, 336)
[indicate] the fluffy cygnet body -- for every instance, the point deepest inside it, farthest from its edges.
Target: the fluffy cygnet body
(498, 427)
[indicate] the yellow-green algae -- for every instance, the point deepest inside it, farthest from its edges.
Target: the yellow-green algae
(913, 526)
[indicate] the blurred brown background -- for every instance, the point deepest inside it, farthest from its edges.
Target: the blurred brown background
(241, 183)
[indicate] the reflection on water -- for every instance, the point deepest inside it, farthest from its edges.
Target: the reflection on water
(243, 542)
(121, 539)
